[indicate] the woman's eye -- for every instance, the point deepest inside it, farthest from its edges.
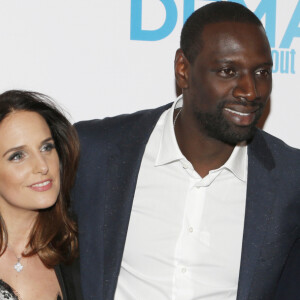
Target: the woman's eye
(17, 156)
(47, 147)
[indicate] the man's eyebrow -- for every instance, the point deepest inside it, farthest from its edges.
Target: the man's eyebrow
(230, 61)
(270, 64)
(227, 61)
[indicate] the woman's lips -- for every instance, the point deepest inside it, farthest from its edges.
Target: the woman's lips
(41, 186)
(240, 117)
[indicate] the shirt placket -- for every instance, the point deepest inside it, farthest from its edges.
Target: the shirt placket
(185, 254)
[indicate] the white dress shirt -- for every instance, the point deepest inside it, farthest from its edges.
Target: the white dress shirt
(185, 233)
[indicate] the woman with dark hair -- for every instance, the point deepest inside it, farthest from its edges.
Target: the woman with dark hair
(38, 240)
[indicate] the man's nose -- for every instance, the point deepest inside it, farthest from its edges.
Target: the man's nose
(246, 88)
(40, 165)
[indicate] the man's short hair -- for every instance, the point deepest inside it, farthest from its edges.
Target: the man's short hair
(190, 40)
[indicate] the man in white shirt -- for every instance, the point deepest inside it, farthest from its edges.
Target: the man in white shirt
(192, 201)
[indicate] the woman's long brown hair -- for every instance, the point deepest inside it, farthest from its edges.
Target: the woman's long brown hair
(54, 234)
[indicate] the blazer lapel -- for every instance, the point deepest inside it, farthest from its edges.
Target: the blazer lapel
(69, 280)
(123, 168)
(61, 282)
(259, 201)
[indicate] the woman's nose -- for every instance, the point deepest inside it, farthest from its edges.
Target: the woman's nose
(40, 165)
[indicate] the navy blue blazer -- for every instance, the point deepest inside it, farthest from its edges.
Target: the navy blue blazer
(69, 280)
(111, 154)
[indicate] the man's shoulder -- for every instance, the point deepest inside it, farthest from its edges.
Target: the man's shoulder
(278, 144)
(120, 123)
(282, 153)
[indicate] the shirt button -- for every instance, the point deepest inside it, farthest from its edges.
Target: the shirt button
(183, 270)
(191, 229)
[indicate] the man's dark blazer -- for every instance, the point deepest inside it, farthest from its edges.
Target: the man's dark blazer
(69, 280)
(111, 154)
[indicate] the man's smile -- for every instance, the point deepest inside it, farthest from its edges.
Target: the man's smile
(241, 115)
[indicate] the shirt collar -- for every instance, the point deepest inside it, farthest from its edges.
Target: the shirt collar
(237, 163)
(169, 150)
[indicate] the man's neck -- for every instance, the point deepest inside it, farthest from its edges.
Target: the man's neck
(204, 153)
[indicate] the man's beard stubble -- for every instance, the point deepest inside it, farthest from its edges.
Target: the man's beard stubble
(216, 126)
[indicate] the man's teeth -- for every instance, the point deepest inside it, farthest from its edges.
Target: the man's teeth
(237, 112)
(41, 184)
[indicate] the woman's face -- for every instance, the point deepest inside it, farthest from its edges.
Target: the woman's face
(29, 164)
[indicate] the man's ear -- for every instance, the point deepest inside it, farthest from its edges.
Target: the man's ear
(181, 66)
